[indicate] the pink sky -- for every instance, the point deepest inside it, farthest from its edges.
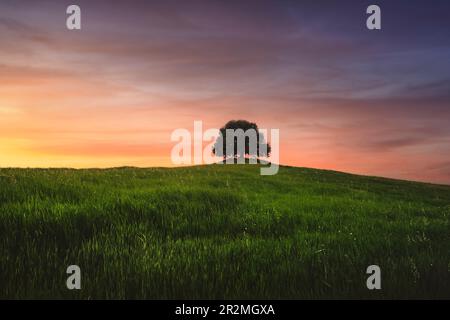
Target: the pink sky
(111, 94)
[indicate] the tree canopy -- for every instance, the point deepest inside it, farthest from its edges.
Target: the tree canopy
(239, 139)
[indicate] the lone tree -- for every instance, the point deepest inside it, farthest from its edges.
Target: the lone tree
(239, 139)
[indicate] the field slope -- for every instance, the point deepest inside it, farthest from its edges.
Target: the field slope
(220, 231)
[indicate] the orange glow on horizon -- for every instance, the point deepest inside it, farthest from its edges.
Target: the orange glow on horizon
(111, 94)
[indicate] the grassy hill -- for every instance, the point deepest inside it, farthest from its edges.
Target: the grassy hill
(221, 231)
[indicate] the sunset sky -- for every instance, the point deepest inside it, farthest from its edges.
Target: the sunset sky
(344, 98)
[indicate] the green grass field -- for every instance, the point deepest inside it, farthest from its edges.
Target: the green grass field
(220, 231)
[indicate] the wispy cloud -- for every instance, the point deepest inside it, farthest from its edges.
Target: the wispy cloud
(344, 98)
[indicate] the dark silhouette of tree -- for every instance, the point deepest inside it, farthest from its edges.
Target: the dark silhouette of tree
(255, 145)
